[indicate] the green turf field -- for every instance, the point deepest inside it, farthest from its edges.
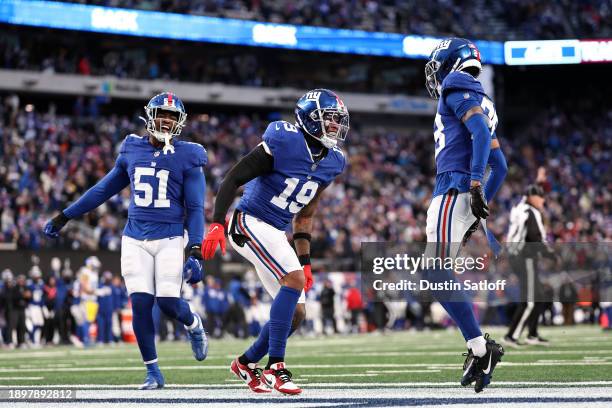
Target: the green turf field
(575, 355)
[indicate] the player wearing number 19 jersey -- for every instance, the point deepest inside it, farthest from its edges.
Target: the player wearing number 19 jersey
(167, 183)
(465, 142)
(285, 176)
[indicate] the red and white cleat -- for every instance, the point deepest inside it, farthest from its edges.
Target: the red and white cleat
(251, 376)
(279, 378)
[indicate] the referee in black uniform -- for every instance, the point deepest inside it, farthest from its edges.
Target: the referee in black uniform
(526, 242)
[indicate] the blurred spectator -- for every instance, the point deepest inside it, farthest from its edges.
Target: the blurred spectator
(19, 296)
(327, 300)
(104, 318)
(36, 310)
(120, 300)
(6, 305)
(568, 295)
(354, 305)
(50, 297)
(239, 302)
(64, 299)
(216, 304)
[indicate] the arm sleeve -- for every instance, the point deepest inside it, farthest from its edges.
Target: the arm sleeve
(115, 181)
(481, 144)
(194, 186)
(253, 165)
(478, 125)
(499, 169)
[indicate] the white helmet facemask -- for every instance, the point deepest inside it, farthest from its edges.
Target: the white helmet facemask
(163, 134)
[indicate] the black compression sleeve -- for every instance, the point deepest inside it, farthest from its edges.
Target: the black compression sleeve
(253, 165)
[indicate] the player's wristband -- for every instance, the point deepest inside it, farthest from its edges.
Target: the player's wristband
(195, 250)
(302, 235)
(61, 217)
(304, 259)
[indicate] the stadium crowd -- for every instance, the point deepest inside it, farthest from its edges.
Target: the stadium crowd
(48, 51)
(483, 19)
(48, 160)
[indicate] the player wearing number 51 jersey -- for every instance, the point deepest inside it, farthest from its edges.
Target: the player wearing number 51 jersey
(285, 176)
(167, 183)
(465, 142)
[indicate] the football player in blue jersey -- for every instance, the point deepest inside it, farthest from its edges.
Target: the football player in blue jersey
(167, 183)
(284, 176)
(465, 142)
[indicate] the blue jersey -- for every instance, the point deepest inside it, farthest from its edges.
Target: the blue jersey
(167, 190)
(105, 298)
(38, 293)
(453, 151)
(277, 196)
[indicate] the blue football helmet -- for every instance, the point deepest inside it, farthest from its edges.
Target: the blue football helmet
(452, 54)
(166, 101)
(323, 115)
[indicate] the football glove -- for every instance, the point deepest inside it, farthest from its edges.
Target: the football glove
(309, 280)
(308, 276)
(215, 236)
(55, 224)
(193, 269)
(480, 209)
(473, 228)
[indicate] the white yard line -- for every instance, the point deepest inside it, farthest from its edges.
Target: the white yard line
(545, 363)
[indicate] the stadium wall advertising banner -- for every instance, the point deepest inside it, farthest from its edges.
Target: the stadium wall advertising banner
(557, 52)
(225, 31)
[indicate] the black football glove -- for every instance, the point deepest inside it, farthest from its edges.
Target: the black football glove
(473, 228)
(55, 224)
(480, 209)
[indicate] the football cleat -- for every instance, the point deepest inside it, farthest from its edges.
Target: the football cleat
(279, 378)
(469, 369)
(252, 376)
(199, 341)
(153, 381)
(537, 340)
(486, 364)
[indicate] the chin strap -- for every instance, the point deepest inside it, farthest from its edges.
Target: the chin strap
(168, 146)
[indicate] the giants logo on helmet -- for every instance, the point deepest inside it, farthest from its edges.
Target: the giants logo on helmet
(442, 46)
(313, 96)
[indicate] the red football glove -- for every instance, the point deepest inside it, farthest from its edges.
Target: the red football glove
(309, 278)
(214, 237)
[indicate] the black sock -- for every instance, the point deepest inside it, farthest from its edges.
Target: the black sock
(244, 360)
(273, 360)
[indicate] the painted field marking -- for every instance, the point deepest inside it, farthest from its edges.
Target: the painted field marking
(338, 375)
(544, 363)
(402, 371)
